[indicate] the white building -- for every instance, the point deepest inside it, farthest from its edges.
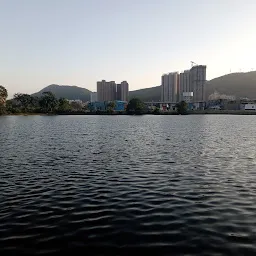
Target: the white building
(250, 106)
(93, 97)
(76, 101)
(187, 97)
(169, 87)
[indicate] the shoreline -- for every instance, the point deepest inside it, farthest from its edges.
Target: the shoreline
(29, 114)
(197, 112)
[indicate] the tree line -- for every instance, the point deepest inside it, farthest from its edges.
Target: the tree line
(49, 103)
(25, 103)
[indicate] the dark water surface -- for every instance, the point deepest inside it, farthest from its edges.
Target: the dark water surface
(186, 184)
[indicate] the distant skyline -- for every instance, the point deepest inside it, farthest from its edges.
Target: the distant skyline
(80, 42)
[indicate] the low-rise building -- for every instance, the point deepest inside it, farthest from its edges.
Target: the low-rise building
(196, 105)
(76, 101)
(93, 97)
(104, 105)
(187, 97)
(248, 106)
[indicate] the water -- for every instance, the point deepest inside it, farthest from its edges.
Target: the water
(186, 184)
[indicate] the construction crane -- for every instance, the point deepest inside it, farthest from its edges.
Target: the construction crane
(193, 64)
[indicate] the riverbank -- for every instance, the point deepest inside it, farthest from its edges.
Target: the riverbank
(28, 114)
(222, 112)
(195, 112)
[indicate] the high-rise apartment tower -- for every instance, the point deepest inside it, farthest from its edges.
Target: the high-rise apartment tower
(170, 87)
(190, 82)
(122, 91)
(197, 82)
(184, 85)
(106, 91)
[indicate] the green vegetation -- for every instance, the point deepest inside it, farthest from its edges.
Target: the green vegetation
(135, 106)
(111, 107)
(24, 103)
(182, 108)
(3, 97)
(47, 103)
(156, 111)
(64, 105)
(76, 106)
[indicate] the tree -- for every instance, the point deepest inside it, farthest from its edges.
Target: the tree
(76, 106)
(3, 97)
(111, 106)
(135, 106)
(12, 107)
(35, 103)
(48, 102)
(64, 105)
(156, 111)
(26, 102)
(182, 108)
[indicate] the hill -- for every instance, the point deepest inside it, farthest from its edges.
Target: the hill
(241, 85)
(66, 91)
(147, 94)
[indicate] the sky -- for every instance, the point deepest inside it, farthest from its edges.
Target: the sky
(80, 42)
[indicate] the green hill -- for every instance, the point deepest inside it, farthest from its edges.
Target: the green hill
(240, 85)
(147, 94)
(66, 91)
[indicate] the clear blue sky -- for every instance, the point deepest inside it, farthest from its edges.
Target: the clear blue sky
(78, 42)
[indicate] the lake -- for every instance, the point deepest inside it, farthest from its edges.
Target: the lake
(184, 184)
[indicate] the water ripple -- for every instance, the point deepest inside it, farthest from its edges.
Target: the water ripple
(184, 184)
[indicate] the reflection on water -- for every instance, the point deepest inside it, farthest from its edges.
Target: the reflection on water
(184, 183)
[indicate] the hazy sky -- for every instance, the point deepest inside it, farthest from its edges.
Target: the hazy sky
(78, 42)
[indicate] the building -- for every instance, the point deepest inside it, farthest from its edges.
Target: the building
(106, 91)
(191, 82)
(97, 105)
(187, 97)
(184, 85)
(109, 91)
(120, 105)
(93, 97)
(197, 82)
(248, 106)
(218, 96)
(103, 105)
(76, 101)
(170, 87)
(164, 88)
(122, 92)
(101, 90)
